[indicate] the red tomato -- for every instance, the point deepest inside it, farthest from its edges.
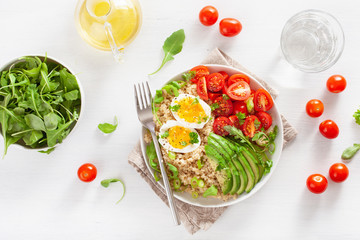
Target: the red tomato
(316, 183)
(338, 172)
(200, 71)
(314, 108)
(237, 78)
(208, 15)
(201, 88)
(240, 106)
(230, 27)
(87, 172)
(224, 107)
(251, 126)
(213, 96)
(262, 100)
(215, 82)
(336, 83)
(219, 125)
(226, 76)
(235, 122)
(265, 119)
(329, 129)
(239, 91)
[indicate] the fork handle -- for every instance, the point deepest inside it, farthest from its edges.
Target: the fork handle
(168, 190)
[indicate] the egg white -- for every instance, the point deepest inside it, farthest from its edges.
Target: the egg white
(204, 105)
(165, 143)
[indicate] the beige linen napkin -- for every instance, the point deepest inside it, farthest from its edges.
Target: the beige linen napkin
(192, 217)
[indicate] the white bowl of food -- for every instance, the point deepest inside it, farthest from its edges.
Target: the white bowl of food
(221, 157)
(41, 102)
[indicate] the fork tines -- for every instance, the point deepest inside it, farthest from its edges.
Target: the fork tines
(142, 95)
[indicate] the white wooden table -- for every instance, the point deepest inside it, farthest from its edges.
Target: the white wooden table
(41, 196)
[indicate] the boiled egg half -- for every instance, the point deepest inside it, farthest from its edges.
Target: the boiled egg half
(175, 137)
(190, 111)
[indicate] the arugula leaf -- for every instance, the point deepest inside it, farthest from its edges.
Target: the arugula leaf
(238, 134)
(35, 122)
(107, 127)
(172, 46)
(72, 95)
(48, 151)
(194, 137)
(51, 121)
(106, 182)
(350, 151)
(171, 89)
(357, 116)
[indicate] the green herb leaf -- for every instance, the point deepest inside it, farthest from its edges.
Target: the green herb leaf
(194, 137)
(175, 108)
(172, 46)
(107, 127)
(241, 115)
(214, 106)
(225, 97)
(48, 151)
(357, 116)
(165, 134)
(350, 151)
(189, 75)
(183, 143)
(196, 101)
(171, 89)
(211, 191)
(257, 123)
(272, 135)
(238, 134)
(106, 182)
(174, 171)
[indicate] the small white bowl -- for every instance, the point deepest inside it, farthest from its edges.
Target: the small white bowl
(54, 60)
(213, 202)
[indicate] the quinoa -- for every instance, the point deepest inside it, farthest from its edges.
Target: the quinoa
(186, 163)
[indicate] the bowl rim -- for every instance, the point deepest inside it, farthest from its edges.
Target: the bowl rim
(82, 99)
(263, 181)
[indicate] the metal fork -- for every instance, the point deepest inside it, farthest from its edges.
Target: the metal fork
(143, 106)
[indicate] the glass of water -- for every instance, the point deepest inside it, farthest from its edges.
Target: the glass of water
(312, 41)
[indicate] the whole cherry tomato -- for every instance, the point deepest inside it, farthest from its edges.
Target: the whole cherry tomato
(87, 172)
(314, 108)
(219, 125)
(316, 183)
(336, 83)
(230, 27)
(338, 172)
(208, 15)
(329, 129)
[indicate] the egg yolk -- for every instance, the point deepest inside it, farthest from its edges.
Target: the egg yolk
(191, 111)
(179, 137)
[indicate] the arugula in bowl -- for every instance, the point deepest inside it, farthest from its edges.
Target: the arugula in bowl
(40, 102)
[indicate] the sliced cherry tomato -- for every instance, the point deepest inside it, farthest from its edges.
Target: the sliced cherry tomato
(213, 96)
(239, 91)
(230, 27)
(265, 119)
(237, 78)
(87, 172)
(329, 129)
(251, 126)
(338, 172)
(201, 88)
(208, 15)
(219, 125)
(226, 76)
(224, 107)
(235, 122)
(240, 106)
(336, 84)
(215, 82)
(200, 71)
(316, 183)
(314, 108)
(262, 100)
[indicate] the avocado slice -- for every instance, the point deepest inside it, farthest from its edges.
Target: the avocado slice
(250, 175)
(253, 163)
(218, 145)
(220, 163)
